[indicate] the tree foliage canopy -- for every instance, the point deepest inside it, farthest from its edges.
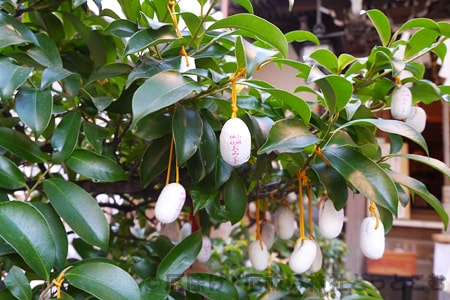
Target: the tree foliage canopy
(99, 114)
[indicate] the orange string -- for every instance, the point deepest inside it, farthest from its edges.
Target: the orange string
(169, 166)
(171, 7)
(373, 212)
(310, 212)
(233, 79)
(258, 225)
(319, 153)
(301, 175)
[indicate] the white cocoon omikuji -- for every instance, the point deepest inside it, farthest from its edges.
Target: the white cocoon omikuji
(371, 240)
(284, 222)
(317, 263)
(417, 118)
(235, 142)
(302, 256)
(170, 202)
(401, 103)
(205, 251)
(331, 220)
(259, 257)
(268, 234)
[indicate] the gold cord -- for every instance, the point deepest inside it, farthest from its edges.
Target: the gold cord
(373, 212)
(319, 153)
(258, 225)
(310, 213)
(169, 165)
(233, 80)
(171, 7)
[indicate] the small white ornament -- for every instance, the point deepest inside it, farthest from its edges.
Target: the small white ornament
(268, 234)
(372, 241)
(331, 220)
(284, 222)
(318, 260)
(170, 202)
(205, 251)
(186, 230)
(184, 67)
(235, 142)
(401, 103)
(417, 118)
(259, 257)
(303, 256)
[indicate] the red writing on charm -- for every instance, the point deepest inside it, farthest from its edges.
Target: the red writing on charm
(235, 141)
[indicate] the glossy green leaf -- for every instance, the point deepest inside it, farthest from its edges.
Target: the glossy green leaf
(18, 283)
(194, 23)
(13, 32)
(20, 145)
(58, 232)
(154, 126)
(426, 160)
(79, 210)
(326, 58)
(223, 171)
(155, 160)
(420, 189)
(109, 71)
(160, 91)
(344, 60)
(154, 288)
(34, 108)
(103, 280)
(121, 28)
(419, 23)
(46, 52)
(425, 91)
(334, 184)
(95, 135)
(53, 74)
(420, 40)
(302, 36)
(11, 77)
(264, 30)
(235, 198)
(65, 136)
(180, 258)
(336, 91)
(382, 25)
(10, 175)
(149, 37)
(27, 231)
(255, 56)
(95, 166)
(187, 126)
(288, 135)
(239, 53)
(386, 218)
(364, 175)
(392, 126)
(247, 4)
(211, 286)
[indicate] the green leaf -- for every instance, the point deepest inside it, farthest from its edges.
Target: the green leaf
(10, 175)
(11, 77)
(334, 184)
(392, 126)
(103, 280)
(255, 56)
(95, 135)
(382, 25)
(419, 23)
(180, 258)
(211, 286)
(264, 30)
(79, 210)
(46, 52)
(344, 60)
(149, 37)
(121, 28)
(154, 288)
(364, 175)
(95, 166)
(18, 283)
(53, 74)
(235, 198)
(425, 91)
(326, 58)
(302, 36)
(27, 231)
(160, 91)
(34, 108)
(420, 189)
(13, 32)
(247, 4)
(109, 71)
(20, 145)
(419, 41)
(239, 53)
(426, 160)
(289, 135)
(155, 160)
(65, 136)
(58, 232)
(336, 90)
(187, 126)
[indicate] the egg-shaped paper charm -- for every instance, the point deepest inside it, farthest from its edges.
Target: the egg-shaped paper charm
(186, 65)
(186, 229)
(259, 257)
(284, 222)
(371, 240)
(235, 142)
(170, 202)
(417, 118)
(318, 260)
(401, 103)
(205, 251)
(331, 220)
(268, 234)
(302, 256)
(172, 231)
(292, 197)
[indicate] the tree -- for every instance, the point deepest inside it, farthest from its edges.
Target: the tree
(102, 117)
